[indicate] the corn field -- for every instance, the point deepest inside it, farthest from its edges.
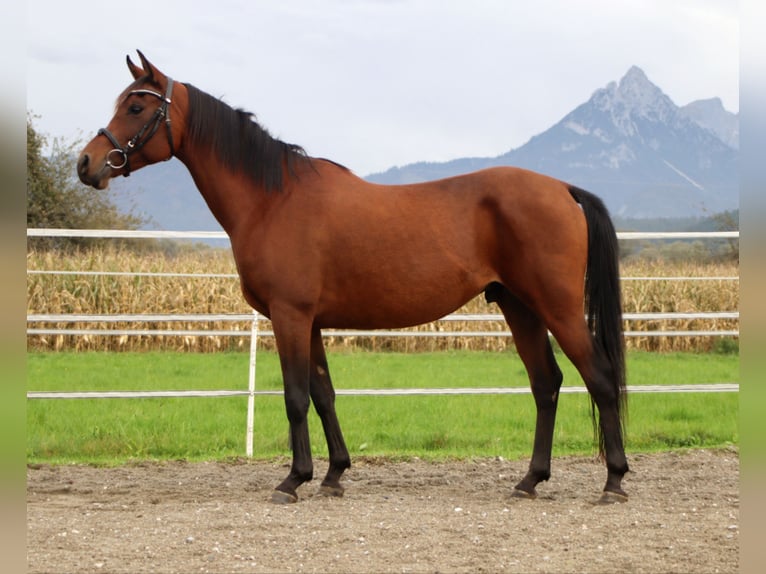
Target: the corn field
(84, 292)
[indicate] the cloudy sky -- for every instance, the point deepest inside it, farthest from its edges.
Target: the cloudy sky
(375, 83)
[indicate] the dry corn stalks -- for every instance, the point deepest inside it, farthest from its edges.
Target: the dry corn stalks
(133, 293)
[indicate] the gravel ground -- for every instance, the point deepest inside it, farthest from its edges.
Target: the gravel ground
(682, 516)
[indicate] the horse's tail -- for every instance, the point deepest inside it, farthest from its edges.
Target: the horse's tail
(603, 299)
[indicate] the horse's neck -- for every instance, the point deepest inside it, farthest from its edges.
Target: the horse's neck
(229, 195)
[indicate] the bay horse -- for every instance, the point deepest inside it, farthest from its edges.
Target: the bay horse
(318, 247)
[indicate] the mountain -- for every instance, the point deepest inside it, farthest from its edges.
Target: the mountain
(631, 145)
(710, 114)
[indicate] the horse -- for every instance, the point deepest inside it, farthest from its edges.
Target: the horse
(317, 247)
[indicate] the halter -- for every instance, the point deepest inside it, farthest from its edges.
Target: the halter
(139, 140)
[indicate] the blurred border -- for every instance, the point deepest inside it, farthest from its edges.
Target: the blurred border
(752, 284)
(12, 286)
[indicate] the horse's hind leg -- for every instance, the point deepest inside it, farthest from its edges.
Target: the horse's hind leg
(577, 342)
(323, 397)
(530, 336)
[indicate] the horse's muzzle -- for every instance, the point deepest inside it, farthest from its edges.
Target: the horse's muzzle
(95, 178)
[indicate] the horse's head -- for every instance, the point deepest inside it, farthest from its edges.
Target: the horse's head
(141, 131)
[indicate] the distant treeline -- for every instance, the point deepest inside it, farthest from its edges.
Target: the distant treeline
(726, 221)
(679, 250)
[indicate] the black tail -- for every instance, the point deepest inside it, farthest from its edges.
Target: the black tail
(603, 299)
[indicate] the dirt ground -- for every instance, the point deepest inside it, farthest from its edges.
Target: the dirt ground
(682, 516)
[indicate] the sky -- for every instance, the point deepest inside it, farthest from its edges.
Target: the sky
(374, 84)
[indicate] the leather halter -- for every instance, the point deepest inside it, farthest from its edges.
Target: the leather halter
(142, 137)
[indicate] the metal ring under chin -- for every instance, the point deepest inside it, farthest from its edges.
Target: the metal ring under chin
(117, 165)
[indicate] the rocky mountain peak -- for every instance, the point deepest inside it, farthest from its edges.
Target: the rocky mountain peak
(634, 97)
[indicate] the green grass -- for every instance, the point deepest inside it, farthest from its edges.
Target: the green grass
(111, 431)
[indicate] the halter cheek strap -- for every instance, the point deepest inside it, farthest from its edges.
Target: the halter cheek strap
(118, 157)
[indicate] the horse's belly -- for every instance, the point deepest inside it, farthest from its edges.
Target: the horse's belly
(390, 305)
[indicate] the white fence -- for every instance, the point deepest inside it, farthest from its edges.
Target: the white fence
(463, 317)
(255, 333)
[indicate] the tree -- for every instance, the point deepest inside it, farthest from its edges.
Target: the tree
(57, 199)
(728, 221)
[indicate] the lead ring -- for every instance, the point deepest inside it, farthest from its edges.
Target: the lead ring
(114, 165)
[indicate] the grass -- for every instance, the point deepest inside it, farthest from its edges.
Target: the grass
(108, 431)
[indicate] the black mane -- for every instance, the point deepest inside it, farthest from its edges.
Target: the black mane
(237, 139)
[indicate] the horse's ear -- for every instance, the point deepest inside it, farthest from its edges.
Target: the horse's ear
(134, 70)
(154, 74)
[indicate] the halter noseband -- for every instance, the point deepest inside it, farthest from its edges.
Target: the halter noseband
(139, 140)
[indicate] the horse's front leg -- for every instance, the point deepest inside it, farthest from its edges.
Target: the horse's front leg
(292, 331)
(323, 397)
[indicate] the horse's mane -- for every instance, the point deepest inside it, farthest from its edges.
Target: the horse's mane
(239, 141)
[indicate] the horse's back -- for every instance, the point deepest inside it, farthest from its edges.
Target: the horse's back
(516, 204)
(507, 186)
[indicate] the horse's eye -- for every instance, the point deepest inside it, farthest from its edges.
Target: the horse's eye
(135, 109)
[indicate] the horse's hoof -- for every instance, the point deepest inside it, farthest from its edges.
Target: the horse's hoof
(279, 497)
(334, 491)
(523, 494)
(609, 497)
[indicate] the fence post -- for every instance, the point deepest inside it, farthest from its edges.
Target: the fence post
(251, 385)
